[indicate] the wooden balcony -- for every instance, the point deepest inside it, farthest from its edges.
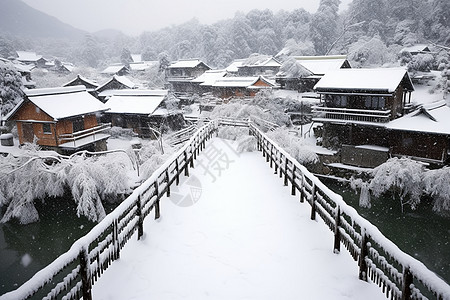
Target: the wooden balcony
(84, 137)
(324, 114)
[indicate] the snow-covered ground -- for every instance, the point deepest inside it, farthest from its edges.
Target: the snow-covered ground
(233, 231)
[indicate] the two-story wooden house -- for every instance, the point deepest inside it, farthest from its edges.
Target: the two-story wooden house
(62, 119)
(180, 74)
(356, 105)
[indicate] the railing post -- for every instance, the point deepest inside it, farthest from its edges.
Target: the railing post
(285, 171)
(337, 232)
(177, 169)
(302, 189)
(116, 241)
(407, 281)
(293, 179)
(85, 271)
(313, 202)
(192, 158)
(186, 164)
(140, 223)
(362, 257)
(156, 203)
(271, 155)
(167, 183)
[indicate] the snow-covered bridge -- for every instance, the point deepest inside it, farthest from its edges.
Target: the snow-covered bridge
(222, 234)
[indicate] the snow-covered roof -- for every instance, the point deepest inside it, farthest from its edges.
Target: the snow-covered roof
(63, 102)
(23, 67)
(27, 56)
(83, 79)
(136, 58)
(209, 77)
(321, 65)
(233, 67)
(143, 65)
(377, 80)
(121, 79)
(260, 61)
(240, 81)
(186, 63)
(112, 69)
(135, 101)
(416, 48)
(430, 118)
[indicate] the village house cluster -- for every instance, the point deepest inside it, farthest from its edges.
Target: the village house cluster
(365, 116)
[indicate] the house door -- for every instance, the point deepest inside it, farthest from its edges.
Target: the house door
(27, 132)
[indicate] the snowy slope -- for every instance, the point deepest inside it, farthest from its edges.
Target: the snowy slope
(232, 231)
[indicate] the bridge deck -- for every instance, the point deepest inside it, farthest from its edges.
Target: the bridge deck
(233, 231)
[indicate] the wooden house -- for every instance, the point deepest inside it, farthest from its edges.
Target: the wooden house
(115, 83)
(313, 68)
(29, 58)
(117, 69)
(90, 85)
(204, 83)
(239, 87)
(25, 72)
(356, 105)
(233, 68)
(423, 134)
(417, 49)
(140, 110)
(257, 65)
(63, 119)
(180, 74)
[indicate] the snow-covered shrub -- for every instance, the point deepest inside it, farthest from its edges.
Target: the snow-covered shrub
(421, 62)
(231, 133)
(294, 146)
(151, 157)
(246, 143)
(402, 177)
(437, 185)
(119, 132)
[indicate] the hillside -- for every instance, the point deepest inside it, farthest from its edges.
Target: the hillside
(19, 19)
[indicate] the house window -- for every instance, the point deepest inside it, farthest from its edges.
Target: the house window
(336, 100)
(47, 128)
(375, 102)
(78, 125)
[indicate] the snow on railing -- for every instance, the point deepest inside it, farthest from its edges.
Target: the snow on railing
(73, 137)
(72, 274)
(398, 275)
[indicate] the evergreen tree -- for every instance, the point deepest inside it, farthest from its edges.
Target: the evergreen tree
(125, 57)
(10, 87)
(91, 52)
(324, 25)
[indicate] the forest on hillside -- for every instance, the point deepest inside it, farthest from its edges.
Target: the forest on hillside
(370, 32)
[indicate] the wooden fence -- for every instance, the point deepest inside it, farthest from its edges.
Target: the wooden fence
(72, 275)
(398, 275)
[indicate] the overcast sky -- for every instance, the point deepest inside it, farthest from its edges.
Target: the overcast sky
(135, 16)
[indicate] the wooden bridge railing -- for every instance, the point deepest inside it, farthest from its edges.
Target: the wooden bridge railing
(398, 275)
(72, 275)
